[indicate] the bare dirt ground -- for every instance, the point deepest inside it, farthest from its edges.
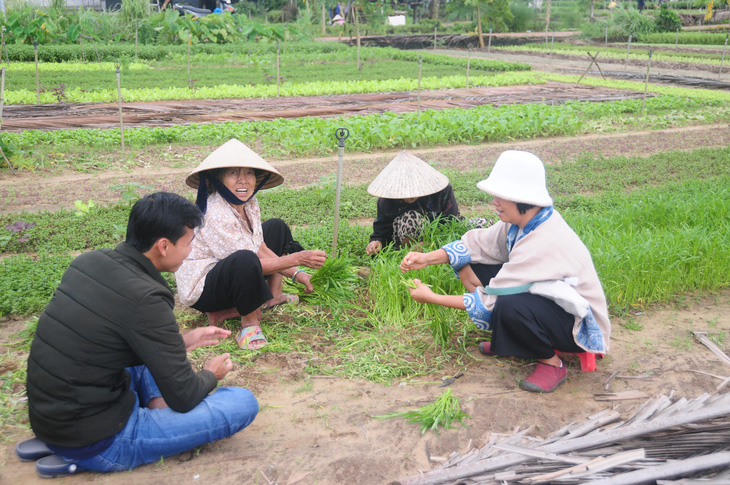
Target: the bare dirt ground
(320, 430)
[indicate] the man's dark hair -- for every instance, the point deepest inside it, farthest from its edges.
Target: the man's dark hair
(159, 215)
(523, 208)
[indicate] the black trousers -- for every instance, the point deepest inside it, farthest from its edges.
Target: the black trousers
(278, 237)
(526, 325)
(235, 281)
(238, 280)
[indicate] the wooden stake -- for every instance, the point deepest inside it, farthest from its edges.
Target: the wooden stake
(420, 63)
(593, 61)
(136, 32)
(190, 43)
(489, 47)
(2, 95)
(37, 77)
(435, 32)
(552, 42)
(277, 69)
(324, 20)
(12, 170)
(480, 34)
(676, 41)
(468, 64)
(119, 96)
(5, 48)
(357, 34)
(98, 57)
(646, 84)
(722, 61)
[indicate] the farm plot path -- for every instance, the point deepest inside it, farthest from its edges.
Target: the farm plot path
(168, 113)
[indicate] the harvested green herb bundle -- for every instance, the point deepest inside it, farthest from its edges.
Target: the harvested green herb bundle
(334, 282)
(443, 412)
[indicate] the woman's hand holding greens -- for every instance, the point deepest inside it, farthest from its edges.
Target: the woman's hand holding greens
(311, 259)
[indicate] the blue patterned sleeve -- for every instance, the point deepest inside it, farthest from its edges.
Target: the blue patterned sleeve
(458, 255)
(477, 311)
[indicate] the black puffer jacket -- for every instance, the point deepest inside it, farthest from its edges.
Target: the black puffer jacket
(112, 310)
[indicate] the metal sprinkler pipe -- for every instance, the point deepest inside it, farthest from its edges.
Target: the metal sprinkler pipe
(341, 134)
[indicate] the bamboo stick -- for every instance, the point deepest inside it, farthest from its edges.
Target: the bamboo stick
(720, 407)
(668, 470)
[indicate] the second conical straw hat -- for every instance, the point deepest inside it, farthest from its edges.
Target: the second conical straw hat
(407, 176)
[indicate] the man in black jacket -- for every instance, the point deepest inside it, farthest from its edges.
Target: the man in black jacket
(109, 384)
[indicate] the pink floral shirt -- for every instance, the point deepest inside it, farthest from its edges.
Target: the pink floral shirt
(223, 233)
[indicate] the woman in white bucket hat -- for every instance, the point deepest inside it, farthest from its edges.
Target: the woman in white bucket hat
(237, 264)
(529, 278)
(409, 191)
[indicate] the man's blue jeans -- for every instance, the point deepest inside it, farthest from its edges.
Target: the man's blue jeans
(151, 434)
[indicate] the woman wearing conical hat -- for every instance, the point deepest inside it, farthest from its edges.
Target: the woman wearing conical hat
(409, 191)
(529, 278)
(237, 264)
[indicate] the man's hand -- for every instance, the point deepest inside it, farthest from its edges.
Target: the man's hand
(373, 248)
(220, 365)
(201, 336)
(311, 259)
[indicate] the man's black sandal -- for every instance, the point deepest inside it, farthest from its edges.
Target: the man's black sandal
(55, 466)
(32, 450)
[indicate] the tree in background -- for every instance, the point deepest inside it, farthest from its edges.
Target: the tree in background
(490, 12)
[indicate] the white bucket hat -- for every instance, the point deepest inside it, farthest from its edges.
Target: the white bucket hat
(518, 177)
(406, 177)
(233, 153)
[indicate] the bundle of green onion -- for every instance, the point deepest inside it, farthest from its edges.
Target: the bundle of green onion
(442, 412)
(334, 282)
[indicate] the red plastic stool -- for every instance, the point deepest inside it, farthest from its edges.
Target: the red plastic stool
(587, 359)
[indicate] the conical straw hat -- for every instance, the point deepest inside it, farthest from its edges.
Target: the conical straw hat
(233, 153)
(407, 176)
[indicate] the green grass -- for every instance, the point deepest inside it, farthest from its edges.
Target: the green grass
(611, 202)
(27, 282)
(657, 243)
